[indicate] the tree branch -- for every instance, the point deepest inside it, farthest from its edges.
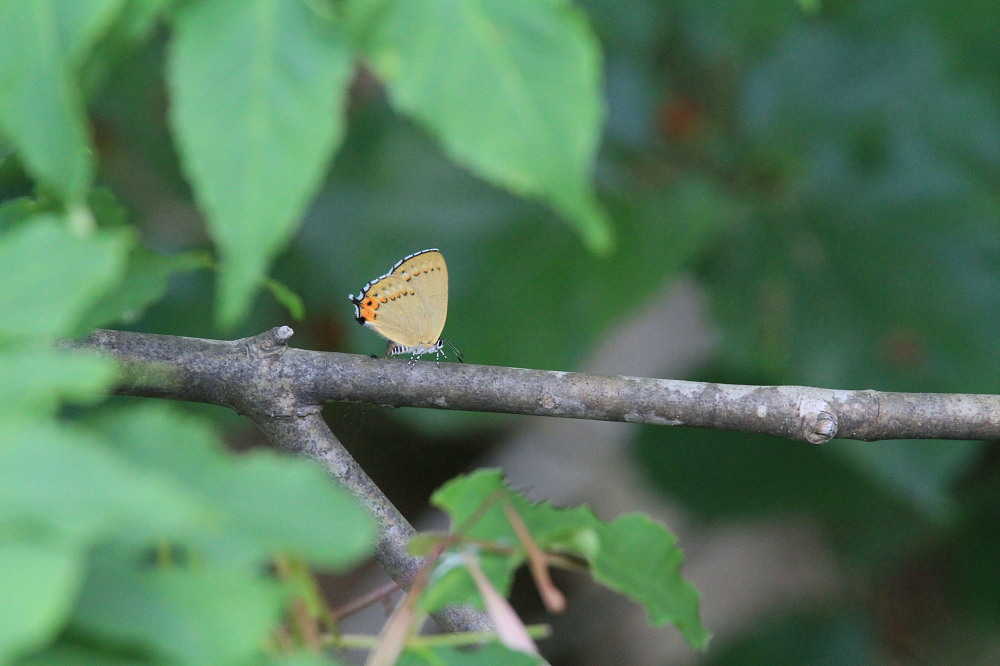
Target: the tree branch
(260, 376)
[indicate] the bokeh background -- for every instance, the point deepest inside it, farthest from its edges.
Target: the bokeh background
(802, 193)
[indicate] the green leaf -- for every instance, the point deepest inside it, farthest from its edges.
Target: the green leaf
(291, 506)
(640, 558)
(512, 90)
(51, 276)
(135, 22)
(262, 503)
(633, 555)
(41, 110)
(88, 495)
(107, 209)
(286, 297)
(38, 587)
(164, 440)
(199, 616)
(37, 381)
(462, 499)
(16, 211)
(452, 585)
(258, 93)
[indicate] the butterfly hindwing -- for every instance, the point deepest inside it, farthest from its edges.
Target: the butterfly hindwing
(408, 305)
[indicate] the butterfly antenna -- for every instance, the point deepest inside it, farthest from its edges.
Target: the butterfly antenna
(458, 352)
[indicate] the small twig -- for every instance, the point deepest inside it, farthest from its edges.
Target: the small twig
(357, 605)
(303, 622)
(554, 600)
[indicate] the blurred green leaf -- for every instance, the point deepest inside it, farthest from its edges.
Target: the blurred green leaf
(133, 25)
(60, 483)
(298, 660)
(165, 483)
(286, 297)
(291, 506)
(967, 30)
(523, 110)
(138, 18)
(810, 6)
(203, 615)
(108, 210)
(51, 277)
(262, 503)
(258, 89)
(730, 33)
(38, 586)
(18, 210)
(65, 652)
(37, 381)
(869, 260)
(42, 45)
(475, 504)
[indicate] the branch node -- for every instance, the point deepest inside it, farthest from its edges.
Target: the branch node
(282, 334)
(268, 343)
(824, 429)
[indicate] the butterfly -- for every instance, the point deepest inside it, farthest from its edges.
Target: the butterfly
(408, 305)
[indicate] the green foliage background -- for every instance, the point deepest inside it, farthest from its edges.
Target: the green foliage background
(827, 172)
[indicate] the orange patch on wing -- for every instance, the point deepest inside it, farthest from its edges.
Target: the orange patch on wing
(369, 305)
